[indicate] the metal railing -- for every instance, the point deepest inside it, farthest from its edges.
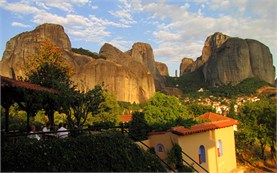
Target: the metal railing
(194, 162)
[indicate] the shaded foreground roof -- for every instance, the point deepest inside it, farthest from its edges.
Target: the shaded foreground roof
(216, 122)
(8, 82)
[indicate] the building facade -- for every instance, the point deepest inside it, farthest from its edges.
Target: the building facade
(211, 144)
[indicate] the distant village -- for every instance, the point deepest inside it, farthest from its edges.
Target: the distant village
(221, 104)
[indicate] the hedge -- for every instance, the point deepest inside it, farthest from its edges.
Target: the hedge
(104, 152)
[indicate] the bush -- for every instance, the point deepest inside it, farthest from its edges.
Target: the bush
(138, 127)
(100, 153)
(175, 159)
(88, 53)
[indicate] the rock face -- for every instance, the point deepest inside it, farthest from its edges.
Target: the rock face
(162, 68)
(186, 66)
(21, 47)
(128, 79)
(211, 44)
(228, 60)
(143, 53)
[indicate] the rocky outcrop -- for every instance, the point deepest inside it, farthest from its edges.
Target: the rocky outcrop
(129, 75)
(261, 61)
(238, 59)
(143, 53)
(162, 68)
(127, 79)
(186, 66)
(211, 44)
(174, 91)
(228, 60)
(23, 46)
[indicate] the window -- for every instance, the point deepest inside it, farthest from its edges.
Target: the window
(159, 148)
(202, 154)
(219, 148)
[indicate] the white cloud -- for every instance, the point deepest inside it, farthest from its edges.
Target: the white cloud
(20, 8)
(65, 5)
(120, 43)
(88, 28)
(219, 4)
(264, 9)
(104, 22)
(124, 14)
(94, 7)
(20, 25)
(80, 2)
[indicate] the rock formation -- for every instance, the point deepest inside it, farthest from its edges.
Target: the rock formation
(231, 60)
(128, 79)
(211, 44)
(162, 68)
(143, 53)
(186, 66)
(23, 46)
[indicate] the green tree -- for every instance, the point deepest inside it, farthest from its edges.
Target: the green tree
(232, 113)
(138, 127)
(82, 104)
(162, 109)
(198, 109)
(49, 69)
(108, 111)
(175, 159)
(258, 123)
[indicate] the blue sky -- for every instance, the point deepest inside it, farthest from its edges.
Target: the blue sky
(174, 28)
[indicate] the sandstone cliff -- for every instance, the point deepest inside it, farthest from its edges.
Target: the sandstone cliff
(186, 66)
(211, 44)
(126, 78)
(162, 68)
(143, 53)
(22, 47)
(231, 60)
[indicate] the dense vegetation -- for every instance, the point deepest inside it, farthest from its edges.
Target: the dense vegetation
(111, 152)
(88, 53)
(246, 87)
(162, 112)
(190, 83)
(257, 128)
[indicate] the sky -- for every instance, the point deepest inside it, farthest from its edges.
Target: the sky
(174, 28)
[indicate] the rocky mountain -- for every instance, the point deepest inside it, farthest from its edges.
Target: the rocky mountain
(130, 76)
(162, 68)
(143, 53)
(227, 60)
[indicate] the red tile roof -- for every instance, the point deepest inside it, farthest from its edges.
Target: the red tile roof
(8, 82)
(212, 117)
(126, 118)
(217, 121)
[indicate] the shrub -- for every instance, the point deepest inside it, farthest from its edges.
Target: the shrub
(88, 53)
(175, 159)
(103, 152)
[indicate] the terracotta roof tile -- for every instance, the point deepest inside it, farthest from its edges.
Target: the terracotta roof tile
(217, 121)
(8, 82)
(126, 118)
(212, 117)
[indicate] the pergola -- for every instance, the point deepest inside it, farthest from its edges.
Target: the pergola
(14, 91)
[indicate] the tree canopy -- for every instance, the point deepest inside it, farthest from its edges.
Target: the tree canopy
(258, 124)
(164, 110)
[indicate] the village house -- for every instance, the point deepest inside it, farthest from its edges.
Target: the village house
(211, 144)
